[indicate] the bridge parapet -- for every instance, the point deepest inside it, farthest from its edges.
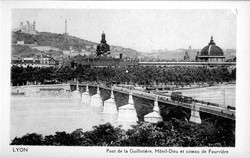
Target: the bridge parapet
(166, 100)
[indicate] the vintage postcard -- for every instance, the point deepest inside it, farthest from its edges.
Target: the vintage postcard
(124, 79)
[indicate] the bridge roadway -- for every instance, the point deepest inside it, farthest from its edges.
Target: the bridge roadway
(219, 111)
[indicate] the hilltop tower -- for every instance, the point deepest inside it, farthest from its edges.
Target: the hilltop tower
(34, 25)
(65, 33)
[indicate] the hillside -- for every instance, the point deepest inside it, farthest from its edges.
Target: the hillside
(64, 42)
(51, 39)
(24, 51)
(59, 42)
(28, 51)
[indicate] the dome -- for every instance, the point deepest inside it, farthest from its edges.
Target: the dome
(103, 47)
(211, 49)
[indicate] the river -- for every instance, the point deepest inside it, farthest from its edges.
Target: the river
(47, 115)
(219, 94)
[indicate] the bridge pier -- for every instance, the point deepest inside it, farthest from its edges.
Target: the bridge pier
(110, 105)
(142, 108)
(86, 95)
(154, 116)
(195, 114)
(127, 113)
(96, 100)
(76, 94)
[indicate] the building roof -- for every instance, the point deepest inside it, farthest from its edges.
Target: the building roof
(25, 61)
(211, 49)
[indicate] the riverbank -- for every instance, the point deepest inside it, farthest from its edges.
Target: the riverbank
(204, 86)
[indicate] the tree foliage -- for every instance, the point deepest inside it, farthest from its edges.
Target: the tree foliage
(172, 133)
(178, 75)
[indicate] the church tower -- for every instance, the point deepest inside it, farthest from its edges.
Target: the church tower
(186, 56)
(103, 47)
(103, 38)
(34, 26)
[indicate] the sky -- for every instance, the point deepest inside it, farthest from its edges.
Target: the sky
(140, 29)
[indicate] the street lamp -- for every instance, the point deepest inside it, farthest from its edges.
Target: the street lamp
(224, 96)
(126, 76)
(194, 94)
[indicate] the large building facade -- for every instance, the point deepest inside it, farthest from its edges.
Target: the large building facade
(29, 28)
(40, 61)
(211, 53)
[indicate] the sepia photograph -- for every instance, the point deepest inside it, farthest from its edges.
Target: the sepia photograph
(168, 78)
(131, 78)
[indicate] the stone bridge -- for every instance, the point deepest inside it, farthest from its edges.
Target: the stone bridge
(137, 105)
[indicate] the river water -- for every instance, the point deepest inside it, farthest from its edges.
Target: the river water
(221, 94)
(48, 114)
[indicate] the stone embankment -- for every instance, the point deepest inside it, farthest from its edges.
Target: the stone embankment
(53, 90)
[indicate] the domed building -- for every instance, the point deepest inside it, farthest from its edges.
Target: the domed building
(103, 47)
(211, 53)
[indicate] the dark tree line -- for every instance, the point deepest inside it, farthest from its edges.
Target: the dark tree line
(172, 133)
(177, 75)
